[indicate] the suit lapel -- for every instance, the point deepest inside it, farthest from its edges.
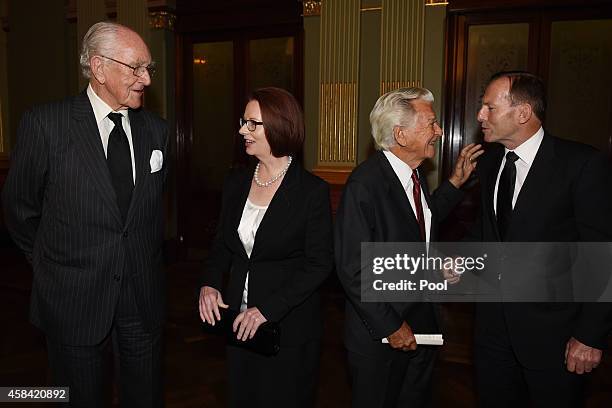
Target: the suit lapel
(141, 143)
(497, 154)
(540, 173)
(397, 194)
(236, 209)
(278, 211)
(433, 228)
(84, 133)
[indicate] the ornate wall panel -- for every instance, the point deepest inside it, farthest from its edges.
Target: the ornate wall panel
(339, 77)
(402, 38)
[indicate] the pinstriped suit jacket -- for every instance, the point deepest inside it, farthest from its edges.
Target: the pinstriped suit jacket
(60, 208)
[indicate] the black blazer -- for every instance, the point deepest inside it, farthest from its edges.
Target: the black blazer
(566, 197)
(291, 257)
(374, 208)
(61, 210)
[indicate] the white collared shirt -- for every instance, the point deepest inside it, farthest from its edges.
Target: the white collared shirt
(105, 125)
(526, 153)
(404, 174)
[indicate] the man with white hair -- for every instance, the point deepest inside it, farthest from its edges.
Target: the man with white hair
(83, 201)
(386, 200)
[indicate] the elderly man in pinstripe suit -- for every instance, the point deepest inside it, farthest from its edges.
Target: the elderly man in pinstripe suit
(83, 200)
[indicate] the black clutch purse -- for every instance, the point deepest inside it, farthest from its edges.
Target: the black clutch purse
(266, 340)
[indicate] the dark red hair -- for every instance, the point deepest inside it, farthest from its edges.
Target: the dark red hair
(283, 120)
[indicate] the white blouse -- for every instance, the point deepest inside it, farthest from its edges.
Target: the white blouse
(247, 229)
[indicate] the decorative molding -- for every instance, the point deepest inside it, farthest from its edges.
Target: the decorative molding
(338, 125)
(436, 3)
(311, 8)
(336, 176)
(162, 20)
(375, 8)
(402, 44)
(339, 83)
(110, 8)
(386, 86)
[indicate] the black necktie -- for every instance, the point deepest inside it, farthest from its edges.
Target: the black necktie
(119, 161)
(505, 192)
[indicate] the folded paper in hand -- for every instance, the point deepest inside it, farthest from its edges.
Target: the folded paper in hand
(425, 339)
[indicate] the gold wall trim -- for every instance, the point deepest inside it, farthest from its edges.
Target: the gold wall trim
(389, 86)
(334, 175)
(435, 3)
(402, 43)
(338, 125)
(311, 8)
(339, 77)
(162, 20)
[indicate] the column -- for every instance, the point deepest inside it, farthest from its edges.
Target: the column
(338, 88)
(402, 37)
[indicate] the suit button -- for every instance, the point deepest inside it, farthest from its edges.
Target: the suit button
(116, 277)
(125, 234)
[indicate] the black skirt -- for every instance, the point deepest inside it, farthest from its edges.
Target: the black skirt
(286, 380)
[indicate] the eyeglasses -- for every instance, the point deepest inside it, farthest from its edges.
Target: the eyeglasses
(139, 70)
(250, 124)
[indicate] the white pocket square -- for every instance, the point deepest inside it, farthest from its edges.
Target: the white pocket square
(157, 160)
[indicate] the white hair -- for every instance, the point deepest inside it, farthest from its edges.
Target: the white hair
(100, 39)
(395, 109)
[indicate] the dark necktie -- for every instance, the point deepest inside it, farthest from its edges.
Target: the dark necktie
(505, 192)
(418, 206)
(119, 161)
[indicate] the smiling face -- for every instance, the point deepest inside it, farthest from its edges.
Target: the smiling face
(499, 120)
(418, 142)
(255, 141)
(116, 84)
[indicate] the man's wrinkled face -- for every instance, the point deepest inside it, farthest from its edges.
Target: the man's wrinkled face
(123, 89)
(421, 138)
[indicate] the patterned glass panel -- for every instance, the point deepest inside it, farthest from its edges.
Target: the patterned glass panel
(213, 123)
(271, 62)
(212, 142)
(580, 84)
(491, 48)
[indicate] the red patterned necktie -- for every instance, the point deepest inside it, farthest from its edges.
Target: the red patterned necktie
(416, 193)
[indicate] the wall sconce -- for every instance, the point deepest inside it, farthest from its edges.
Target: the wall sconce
(200, 61)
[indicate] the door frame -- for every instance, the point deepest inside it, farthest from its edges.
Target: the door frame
(184, 101)
(540, 14)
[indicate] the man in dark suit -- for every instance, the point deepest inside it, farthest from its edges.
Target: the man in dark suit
(386, 200)
(536, 188)
(83, 200)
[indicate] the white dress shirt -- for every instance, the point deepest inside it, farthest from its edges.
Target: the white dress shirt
(105, 125)
(252, 215)
(526, 153)
(404, 174)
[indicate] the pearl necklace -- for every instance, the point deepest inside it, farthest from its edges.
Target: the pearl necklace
(273, 179)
